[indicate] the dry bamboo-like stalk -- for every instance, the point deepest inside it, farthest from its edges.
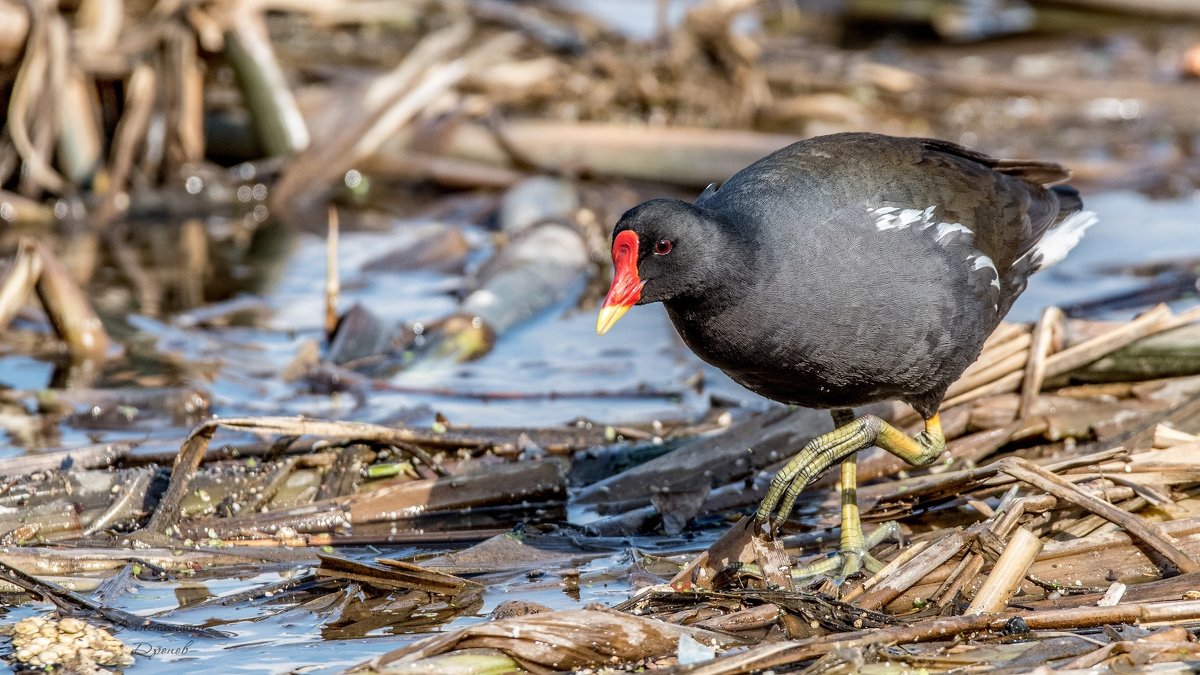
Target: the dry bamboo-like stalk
(1023, 547)
(80, 146)
(1154, 321)
(1061, 549)
(1165, 8)
(677, 155)
(993, 371)
(281, 127)
(98, 25)
(185, 97)
(1003, 333)
(332, 279)
(14, 28)
(942, 628)
(38, 77)
(448, 171)
(1144, 530)
(906, 555)
(19, 209)
(994, 352)
(388, 105)
(17, 280)
(1164, 436)
(131, 130)
(1056, 558)
(1000, 523)
(1039, 351)
(68, 308)
(922, 564)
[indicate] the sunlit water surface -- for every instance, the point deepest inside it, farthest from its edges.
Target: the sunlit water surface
(558, 353)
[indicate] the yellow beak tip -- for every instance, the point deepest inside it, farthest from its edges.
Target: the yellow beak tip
(609, 315)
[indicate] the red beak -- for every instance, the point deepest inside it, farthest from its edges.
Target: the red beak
(626, 287)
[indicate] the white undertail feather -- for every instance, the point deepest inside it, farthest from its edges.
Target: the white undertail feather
(1059, 241)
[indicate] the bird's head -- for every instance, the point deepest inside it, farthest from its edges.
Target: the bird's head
(662, 249)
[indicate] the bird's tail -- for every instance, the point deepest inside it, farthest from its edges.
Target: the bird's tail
(1063, 236)
(1069, 200)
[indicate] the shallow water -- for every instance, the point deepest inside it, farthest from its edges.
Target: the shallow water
(551, 369)
(558, 353)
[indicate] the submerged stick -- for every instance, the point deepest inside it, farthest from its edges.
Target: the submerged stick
(17, 280)
(68, 308)
(71, 602)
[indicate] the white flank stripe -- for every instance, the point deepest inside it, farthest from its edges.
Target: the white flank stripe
(892, 218)
(985, 262)
(947, 229)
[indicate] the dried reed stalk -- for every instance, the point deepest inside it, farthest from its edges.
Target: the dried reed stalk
(929, 559)
(1149, 533)
(1023, 547)
(332, 280)
(1039, 351)
(1154, 321)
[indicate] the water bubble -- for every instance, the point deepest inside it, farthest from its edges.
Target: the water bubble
(1021, 107)
(353, 178)
(244, 193)
(193, 184)
(1129, 108)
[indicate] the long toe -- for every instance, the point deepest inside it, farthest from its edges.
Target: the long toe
(822, 567)
(842, 565)
(852, 563)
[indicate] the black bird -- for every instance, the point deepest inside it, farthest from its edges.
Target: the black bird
(844, 270)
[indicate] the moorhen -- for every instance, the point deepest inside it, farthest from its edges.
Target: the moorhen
(844, 270)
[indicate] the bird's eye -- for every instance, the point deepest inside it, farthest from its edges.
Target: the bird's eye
(663, 247)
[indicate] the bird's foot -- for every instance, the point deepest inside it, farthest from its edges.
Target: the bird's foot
(817, 455)
(850, 559)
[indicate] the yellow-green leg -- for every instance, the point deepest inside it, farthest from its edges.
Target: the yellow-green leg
(842, 444)
(852, 548)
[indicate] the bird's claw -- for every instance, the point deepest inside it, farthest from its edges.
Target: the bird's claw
(849, 559)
